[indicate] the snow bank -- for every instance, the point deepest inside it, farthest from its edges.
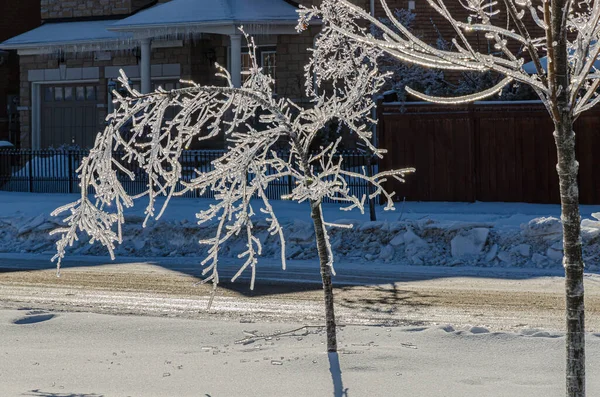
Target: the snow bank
(427, 234)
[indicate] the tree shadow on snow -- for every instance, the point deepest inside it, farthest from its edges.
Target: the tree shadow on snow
(39, 393)
(336, 375)
(380, 299)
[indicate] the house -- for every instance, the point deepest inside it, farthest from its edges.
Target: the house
(69, 65)
(16, 18)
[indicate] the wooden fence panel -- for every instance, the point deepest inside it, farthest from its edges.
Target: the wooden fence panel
(587, 132)
(512, 147)
(485, 152)
(432, 146)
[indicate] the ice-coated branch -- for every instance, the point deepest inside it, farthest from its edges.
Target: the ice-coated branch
(478, 96)
(581, 20)
(342, 78)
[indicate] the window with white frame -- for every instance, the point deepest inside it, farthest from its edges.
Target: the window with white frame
(266, 57)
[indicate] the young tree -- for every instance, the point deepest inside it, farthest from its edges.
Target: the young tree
(566, 80)
(341, 79)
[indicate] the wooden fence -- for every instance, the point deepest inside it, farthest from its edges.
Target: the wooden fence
(484, 152)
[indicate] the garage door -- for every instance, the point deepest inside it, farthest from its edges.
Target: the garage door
(69, 115)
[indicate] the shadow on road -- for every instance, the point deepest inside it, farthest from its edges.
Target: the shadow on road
(300, 276)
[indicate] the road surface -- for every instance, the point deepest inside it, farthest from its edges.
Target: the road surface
(501, 299)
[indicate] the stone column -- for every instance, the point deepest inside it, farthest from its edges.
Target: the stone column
(145, 70)
(236, 59)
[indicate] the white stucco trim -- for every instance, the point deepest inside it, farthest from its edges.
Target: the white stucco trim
(145, 65)
(235, 42)
(63, 73)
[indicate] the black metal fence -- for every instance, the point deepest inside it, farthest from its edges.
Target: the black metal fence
(53, 171)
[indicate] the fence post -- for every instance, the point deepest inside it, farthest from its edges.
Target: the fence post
(70, 170)
(195, 166)
(30, 163)
(370, 189)
(4, 166)
(290, 184)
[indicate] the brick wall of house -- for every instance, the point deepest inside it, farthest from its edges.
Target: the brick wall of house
(293, 53)
(18, 17)
(52, 9)
(430, 25)
(139, 4)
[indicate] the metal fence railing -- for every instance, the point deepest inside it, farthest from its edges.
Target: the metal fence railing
(54, 171)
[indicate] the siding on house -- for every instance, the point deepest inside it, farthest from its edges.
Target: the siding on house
(17, 17)
(430, 25)
(54, 9)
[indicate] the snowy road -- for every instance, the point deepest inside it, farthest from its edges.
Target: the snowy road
(66, 341)
(496, 298)
(91, 355)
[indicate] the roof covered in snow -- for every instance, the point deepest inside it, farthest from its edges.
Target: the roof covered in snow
(66, 34)
(210, 12)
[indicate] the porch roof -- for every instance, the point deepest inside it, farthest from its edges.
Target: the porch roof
(80, 35)
(207, 16)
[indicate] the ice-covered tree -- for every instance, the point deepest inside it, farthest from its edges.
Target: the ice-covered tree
(404, 74)
(562, 39)
(341, 79)
(432, 81)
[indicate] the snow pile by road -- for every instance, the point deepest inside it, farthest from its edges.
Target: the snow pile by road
(427, 234)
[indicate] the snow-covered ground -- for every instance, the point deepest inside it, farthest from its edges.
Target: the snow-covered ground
(83, 354)
(507, 235)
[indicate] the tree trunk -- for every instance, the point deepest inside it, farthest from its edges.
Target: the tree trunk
(317, 217)
(573, 259)
(562, 114)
